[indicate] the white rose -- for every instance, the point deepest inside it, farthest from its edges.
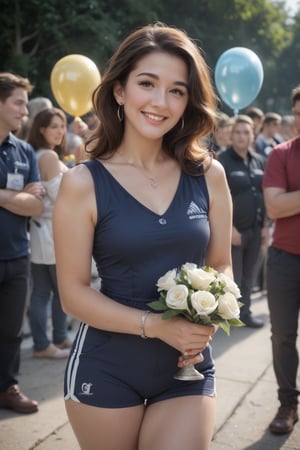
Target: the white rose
(230, 285)
(199, 278)
(189, 266)
(167, 281)
(228, 306)
(204, 302)
(176, 297)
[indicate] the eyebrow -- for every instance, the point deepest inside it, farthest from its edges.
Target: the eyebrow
(156, 77)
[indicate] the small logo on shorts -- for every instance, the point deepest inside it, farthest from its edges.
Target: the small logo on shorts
(86, 389)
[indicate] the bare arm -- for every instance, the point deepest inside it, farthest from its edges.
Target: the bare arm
(27, 202)
(280, 203)
(220, 218)
(73, 238)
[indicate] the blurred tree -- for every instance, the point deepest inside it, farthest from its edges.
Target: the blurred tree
(35, 34)
(288, 67)
(259, 25)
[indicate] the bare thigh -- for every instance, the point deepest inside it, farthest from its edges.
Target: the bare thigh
(179, 423)
(105, 428)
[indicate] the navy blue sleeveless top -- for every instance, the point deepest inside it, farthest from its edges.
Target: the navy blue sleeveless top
(133, 246)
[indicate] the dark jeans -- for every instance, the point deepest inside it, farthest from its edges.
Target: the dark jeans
(14, 277)
(244, 259)
(283, 290)
(44, 290)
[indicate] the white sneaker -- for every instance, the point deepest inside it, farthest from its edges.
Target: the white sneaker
(67, 343)
(52, 352)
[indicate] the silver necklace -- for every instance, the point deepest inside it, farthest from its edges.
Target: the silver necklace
(153, 182)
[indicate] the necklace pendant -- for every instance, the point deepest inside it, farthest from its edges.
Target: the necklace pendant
(153, 183)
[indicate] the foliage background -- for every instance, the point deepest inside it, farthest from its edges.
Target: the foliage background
(35, 35)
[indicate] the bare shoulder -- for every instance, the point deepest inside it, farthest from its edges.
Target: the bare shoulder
(49, 165)
(215, 173)
(77, 195)
(49, 155)
(77, 180)
(216, 182)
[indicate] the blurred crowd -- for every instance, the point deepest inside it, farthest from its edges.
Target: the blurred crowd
(259, 135)
(68, 139)
(39, 143)
(242, 144)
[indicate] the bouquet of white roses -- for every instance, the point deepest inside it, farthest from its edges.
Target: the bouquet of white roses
(200, 294)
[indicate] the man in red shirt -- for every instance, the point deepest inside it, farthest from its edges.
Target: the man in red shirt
(282, 198)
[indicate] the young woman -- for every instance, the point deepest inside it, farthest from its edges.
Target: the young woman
(47, 136)
(148, 200)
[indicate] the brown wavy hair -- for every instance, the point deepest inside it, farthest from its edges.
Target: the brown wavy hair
(43, 120)
(183, 144)
(9, 82)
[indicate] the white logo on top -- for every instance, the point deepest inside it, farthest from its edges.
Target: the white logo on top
(194, 212)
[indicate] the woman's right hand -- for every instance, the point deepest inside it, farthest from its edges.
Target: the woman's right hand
(179, 333)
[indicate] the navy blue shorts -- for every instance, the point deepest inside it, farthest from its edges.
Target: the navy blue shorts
(115, 370)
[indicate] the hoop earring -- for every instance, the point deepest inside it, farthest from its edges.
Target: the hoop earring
(182, 123)
(120, 113)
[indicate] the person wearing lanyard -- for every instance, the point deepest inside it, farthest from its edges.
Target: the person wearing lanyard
(20, 197)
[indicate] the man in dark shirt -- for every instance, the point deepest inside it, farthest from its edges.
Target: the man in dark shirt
(244, 171)
(20, 197)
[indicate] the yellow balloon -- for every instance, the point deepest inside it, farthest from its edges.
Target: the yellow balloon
(73, 80)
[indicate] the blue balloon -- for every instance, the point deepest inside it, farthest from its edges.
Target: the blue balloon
(239, 76)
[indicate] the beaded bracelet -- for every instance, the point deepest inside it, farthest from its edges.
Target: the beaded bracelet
(143, 320)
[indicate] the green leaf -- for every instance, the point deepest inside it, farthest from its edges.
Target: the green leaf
(202, 320)
(225, 327)
(236, 323)
(171, 313)
(157, 305)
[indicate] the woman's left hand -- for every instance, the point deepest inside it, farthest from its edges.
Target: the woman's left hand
(189, 358)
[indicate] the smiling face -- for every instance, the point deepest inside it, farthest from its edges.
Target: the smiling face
(155, 95)
(13, 110)
(55, 132)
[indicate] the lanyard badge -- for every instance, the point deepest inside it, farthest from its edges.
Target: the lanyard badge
(15, 181)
